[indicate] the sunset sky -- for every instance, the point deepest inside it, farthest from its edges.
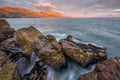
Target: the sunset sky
(74, 8)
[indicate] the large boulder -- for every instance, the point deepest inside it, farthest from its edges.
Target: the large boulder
(6, 33)
(8, 70)
(50, 52)
(5, 30)
(105, 70)
(84, 54)
(7, 38)
(46, 47)
(4, 24)
(26, 37)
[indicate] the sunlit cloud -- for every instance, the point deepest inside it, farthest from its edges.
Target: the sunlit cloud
(44, 6)
(74, 8)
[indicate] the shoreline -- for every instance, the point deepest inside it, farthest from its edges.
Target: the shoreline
(18, 48)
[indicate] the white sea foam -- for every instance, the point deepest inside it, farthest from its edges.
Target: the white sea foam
(72, 72)
(59, 35)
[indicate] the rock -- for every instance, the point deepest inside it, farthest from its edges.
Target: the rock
(5, 30)
(16, 75)
(7, 37)
(7, 68)
(26, 64)
(11, 47)
(3, 58)
(26, 37)
(50, 52)
(6, 33)
(84, 54)
(105, 70)
(38, 72)
(4, 24)
(28, 68)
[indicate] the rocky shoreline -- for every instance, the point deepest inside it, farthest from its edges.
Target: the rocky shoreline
(106, 70)
(25, 53)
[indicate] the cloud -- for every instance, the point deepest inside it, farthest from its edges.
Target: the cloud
(86, 7)
(76, 8)
(116, 10)
(44, 6)
(10, 5)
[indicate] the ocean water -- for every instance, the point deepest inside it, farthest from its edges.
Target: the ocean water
(101, 31)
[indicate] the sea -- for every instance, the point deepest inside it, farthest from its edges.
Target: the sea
(100, 31)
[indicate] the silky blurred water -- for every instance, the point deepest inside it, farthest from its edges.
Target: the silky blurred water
(101, 31)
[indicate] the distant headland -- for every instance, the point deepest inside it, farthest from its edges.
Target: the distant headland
(9, 12)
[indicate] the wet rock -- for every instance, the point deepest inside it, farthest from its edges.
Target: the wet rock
(26, 37)
(38, 72)
(4, 24)
(105, 70)
(5, 30)
(7, 68)
(12, 48)
(50, 52)
(6, 33)
(28, 68)
(7, 38)
(84, 54)
(26, 64)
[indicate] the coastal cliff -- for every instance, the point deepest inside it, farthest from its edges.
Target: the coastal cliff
(9, 12)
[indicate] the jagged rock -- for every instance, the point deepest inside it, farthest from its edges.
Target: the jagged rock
(29, 69)
(7, 37)
(10, 45)
(84, 54)
(5, 30)
(6, 33)
(38, 72)
(105, 70)
(7, 68)
(4, 24)
(26, 37)
(50, 52)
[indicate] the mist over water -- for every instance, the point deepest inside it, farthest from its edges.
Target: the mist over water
(101, 31)
(72, 72)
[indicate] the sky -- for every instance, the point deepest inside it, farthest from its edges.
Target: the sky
(73, 8)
